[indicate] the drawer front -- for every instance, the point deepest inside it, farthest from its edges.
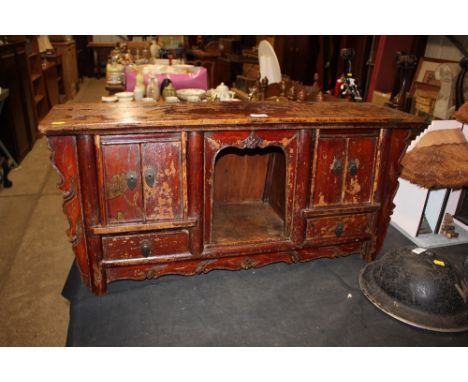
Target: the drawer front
(142, 246)
(335, 227)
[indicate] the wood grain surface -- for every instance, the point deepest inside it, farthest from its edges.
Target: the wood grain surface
(69, 118)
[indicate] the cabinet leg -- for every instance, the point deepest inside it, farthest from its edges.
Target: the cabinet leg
(99, 282)
(368, 252)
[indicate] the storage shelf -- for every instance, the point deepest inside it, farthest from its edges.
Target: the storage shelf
(255, 220)
(38, 98)
(35, 76)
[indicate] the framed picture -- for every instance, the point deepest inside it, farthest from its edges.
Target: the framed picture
(425, 72)
(423, 96)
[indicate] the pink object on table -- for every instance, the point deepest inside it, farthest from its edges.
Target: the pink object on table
(197, 80)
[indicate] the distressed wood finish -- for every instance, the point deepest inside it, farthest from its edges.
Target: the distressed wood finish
(157, 244)
(64, 158)
(76, 118)
(190, 267)
(90, 210)
(188, 188)
(216, 142)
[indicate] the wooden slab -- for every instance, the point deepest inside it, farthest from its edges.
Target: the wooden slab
(219, 116)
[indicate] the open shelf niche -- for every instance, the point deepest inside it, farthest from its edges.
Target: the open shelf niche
(249, 195)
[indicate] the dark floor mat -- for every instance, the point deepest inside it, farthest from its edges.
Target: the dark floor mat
(313, 304)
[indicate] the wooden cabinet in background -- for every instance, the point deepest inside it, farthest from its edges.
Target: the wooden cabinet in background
(297, 56)
(37, 78)
(51, 79)
(188, 188)
(18, 123)
(68, 68)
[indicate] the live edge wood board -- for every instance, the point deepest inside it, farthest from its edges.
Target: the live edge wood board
(188, 188)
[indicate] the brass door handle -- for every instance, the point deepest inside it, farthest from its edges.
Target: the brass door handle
(353, 167)
(145, 248)
(339, 229)
(149, 177)
(131, 179)
(337, 167)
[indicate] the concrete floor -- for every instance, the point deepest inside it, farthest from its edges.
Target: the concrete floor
(35, 253)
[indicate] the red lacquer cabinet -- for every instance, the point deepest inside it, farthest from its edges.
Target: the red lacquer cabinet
(185, 189)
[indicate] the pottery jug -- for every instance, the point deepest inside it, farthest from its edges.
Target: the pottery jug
(152, 90)
(223, 93)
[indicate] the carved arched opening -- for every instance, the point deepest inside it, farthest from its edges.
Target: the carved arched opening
(249, 192)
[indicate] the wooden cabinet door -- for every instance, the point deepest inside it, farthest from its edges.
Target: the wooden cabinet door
(122, 182)
(143, 178)
(344, 169)
(360, 170)
(162, 174)
(329, 171)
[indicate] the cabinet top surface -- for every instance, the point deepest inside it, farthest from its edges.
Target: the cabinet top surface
(70, 118)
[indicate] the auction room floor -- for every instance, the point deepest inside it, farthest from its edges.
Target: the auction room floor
(35, 254)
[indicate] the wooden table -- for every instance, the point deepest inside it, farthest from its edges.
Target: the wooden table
(186, 188)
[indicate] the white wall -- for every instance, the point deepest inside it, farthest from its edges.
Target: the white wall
(441, 47)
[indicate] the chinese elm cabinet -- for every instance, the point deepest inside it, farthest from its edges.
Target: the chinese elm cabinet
(188, 188)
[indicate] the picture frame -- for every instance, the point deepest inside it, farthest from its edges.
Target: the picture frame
(425, 87)
(423, 97)
(425, 71)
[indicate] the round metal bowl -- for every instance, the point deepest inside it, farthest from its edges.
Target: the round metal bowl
(420, 289)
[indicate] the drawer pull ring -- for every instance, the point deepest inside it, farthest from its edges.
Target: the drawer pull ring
(337, 167)
(149, 177)
(145, 248)
(353, 167)
(339, 229)
(131, 179)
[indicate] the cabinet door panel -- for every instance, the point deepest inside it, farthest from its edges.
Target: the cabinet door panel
(360, 171)
(162, 174)
(329, 172)
(122, 182)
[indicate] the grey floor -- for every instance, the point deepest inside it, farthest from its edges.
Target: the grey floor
(35, 256)
(312, 304)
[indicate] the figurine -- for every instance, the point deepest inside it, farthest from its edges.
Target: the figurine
(169, 92)
(292, 92)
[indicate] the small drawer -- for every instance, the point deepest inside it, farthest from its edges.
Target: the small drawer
(333, 227)
(142, 246)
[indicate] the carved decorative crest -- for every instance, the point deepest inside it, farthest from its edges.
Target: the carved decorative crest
(252, 141)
